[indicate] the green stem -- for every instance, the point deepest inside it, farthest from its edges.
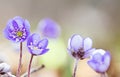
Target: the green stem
(20, 61)
(30, 63)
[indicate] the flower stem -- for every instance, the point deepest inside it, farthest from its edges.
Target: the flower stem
(104, 75)
(20, 61)
(75, 68)
(30, 65)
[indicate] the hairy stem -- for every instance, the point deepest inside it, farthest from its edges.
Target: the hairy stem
(30, 65)
(20, 61)
(75, 68)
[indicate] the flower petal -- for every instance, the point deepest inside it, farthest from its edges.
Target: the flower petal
(26, 22)
(89, 52)
(36, 52)
(19, 21)
(10, 25)
(30, 40)
(39, 52)
(87, 44)
(36, 38)
(6, 33)
(92, 64)
(76, 42)
(14, 24)
(101, 69)
(69, 47)
(43, 43)
(97, 57)
(101, 51)
(33, 39)
(44, 51)
(107, 59)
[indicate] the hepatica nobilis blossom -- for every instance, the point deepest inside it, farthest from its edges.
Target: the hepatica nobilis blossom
(100, 60)
(17, 29)
(79, 47)
(49, 28)
(37, 46)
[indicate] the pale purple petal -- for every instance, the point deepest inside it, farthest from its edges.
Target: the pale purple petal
(101, 51)
(87, 44)
(36, 52)
(33, 39)
(89, 52)
(107, 59)
(19, 20)
(26, 22)
(97, 57)
(30, 41)
(6, 33)
(9, 22)
(43, 43)
(36, 39)
(44, 51)
(69, 47)
(76, 42)
(92, 64)
(15, 24)
(101, 68)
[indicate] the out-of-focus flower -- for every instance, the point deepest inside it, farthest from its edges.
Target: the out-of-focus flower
(80, 48)
(37, 46)
(4, 68)
(49, 28)
(17, 29)
(100, 60)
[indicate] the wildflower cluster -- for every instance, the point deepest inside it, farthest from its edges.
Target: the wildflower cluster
(18, 30)
(80, 49)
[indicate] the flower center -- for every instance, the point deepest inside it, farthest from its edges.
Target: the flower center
(35, 48)
(19, 34)
(79, 54)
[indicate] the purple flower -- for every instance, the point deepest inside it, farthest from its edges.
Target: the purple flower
(80, 48)
(37, 46)
(17, 29)
(100, 61)
(49, 28)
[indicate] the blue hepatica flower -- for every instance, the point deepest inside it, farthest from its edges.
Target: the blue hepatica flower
(80, 48)
(100, 61)
(49, 28)
(37, 46)
(17, 29)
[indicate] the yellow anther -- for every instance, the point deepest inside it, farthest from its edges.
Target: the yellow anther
(19, 34)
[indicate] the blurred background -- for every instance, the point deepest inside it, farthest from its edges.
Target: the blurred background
(97, 19)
